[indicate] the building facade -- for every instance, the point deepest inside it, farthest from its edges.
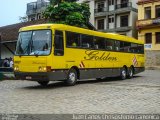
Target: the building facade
(117, 16)
(35, 9)
(148, 26)
(148, 23)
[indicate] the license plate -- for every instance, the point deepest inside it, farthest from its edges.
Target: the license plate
(28, 77)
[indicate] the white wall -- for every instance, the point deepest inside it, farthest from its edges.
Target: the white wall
(134, 18)
(134, 3)
(92, 7)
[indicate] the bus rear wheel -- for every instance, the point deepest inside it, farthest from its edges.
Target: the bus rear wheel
(123, 73)
(130, 72)
(43, 83)
(71, 77)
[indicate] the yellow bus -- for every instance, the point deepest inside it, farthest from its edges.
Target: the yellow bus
(49, 52)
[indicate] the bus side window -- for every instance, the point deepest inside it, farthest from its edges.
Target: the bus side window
(133, 48)
(87, 41)
(99, 43)
(109, 44)
(117, 45)
(72, 39)
(58, 43)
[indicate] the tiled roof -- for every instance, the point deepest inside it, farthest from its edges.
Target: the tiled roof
(10, 32)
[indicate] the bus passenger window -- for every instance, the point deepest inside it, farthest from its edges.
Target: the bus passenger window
(125, 46)
(117, 45)
(87, 41)
(58, 43)
(99, 43)
(140, 49)
(133, 48)
(109, 44)
(72, 39)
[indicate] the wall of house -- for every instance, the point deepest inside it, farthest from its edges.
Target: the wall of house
(141, 10)
(134, 3)
(142, 33)
(152, 58)
(134, 18)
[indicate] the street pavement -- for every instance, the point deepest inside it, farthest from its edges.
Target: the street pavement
(139, 95)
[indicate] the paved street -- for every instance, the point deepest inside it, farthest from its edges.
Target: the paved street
(138, 95)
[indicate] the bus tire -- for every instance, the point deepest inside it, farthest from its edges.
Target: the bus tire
(123, 73)
(71, 77)
(130, 72)
(43, 83)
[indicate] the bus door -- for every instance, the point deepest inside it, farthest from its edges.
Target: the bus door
(58, 59)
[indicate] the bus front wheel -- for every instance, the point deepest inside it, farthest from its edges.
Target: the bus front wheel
(123, 73)
(71, 77)
(43, 83)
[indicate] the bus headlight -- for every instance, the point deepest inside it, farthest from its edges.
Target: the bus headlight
(16, 68)
(42, 69)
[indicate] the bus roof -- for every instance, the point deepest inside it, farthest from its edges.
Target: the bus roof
(81, 30)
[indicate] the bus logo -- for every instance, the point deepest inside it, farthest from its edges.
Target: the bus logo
(96, 55)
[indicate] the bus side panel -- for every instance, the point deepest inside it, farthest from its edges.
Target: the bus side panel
(99, 73)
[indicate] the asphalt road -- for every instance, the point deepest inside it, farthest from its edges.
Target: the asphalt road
(139, 95)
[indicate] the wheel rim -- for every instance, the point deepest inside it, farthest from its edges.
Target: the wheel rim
(72, 77)
(131, 73)
(123, 74)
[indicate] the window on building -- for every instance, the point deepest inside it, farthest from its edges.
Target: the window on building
(100, 24)
(148, 38)
(124, 21)
(33, 18)
(111, 19)
(158, 37)
(100, 6)
(157, 11)
(124, 3)
(111, 2)
(147, 13)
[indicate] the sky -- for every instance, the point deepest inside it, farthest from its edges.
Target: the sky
(11, 10)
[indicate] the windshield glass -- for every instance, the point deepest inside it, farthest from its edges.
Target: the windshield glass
(34, 43)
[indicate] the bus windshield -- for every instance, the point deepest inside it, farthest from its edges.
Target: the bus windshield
(34, 43)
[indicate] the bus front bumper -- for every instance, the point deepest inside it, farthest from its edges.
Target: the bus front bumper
(41, 76)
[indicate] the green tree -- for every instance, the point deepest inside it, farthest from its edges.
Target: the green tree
(70, 13)
(23, 19)
(55, 2)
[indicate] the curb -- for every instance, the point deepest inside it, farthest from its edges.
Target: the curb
(152, 67)
(6, 76)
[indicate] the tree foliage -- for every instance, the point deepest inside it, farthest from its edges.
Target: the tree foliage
(55, 2)
(70, 13)
(23, 19)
